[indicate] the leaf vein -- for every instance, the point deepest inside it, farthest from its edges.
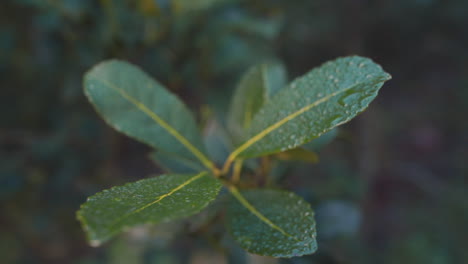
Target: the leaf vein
(197, 153)
(254, 211)
(278, 124)
(159, 198)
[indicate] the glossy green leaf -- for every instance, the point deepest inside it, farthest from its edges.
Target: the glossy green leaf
(173, 163)
(311, 105)
(138, 106)
(256, 87)
(154, 200)
(272, 223)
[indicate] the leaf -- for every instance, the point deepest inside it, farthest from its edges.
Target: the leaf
(173, 163)
(256, 87)
(298, 154)
(313, 104)
(217, 141)
(272, 223)
(136, 105)
(154, 200)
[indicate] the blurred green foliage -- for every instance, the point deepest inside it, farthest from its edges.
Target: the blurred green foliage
(401, 168)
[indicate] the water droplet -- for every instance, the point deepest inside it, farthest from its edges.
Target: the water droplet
(319, 95)
(334, 120)
(348, 97)
(362, 64)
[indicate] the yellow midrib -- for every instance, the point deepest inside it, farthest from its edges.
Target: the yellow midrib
(254, 211)
(278, 124)
(159, 198)
(203, 159)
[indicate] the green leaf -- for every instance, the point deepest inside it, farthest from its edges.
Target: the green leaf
(313, 104)
(272, 223)
(136, 105)
(173, 163)
(256, 87)
(159, 199)
(217, 141)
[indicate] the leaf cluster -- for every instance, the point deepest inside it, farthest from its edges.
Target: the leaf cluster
(267, 117)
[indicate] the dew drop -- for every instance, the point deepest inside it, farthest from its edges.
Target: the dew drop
(334, 120)
(348, 97)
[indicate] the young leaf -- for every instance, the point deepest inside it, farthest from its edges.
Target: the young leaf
(173, 163)
(311, 105)
(154, 200)
(217, 141)
(136, 105)
(256, 87)
(272, 223)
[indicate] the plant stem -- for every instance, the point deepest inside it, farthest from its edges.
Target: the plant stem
(237, 171)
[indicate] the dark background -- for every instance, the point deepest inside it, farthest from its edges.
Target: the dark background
(391, 188)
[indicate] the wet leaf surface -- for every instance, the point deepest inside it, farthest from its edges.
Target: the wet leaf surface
(154, 200)
(272, 223)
